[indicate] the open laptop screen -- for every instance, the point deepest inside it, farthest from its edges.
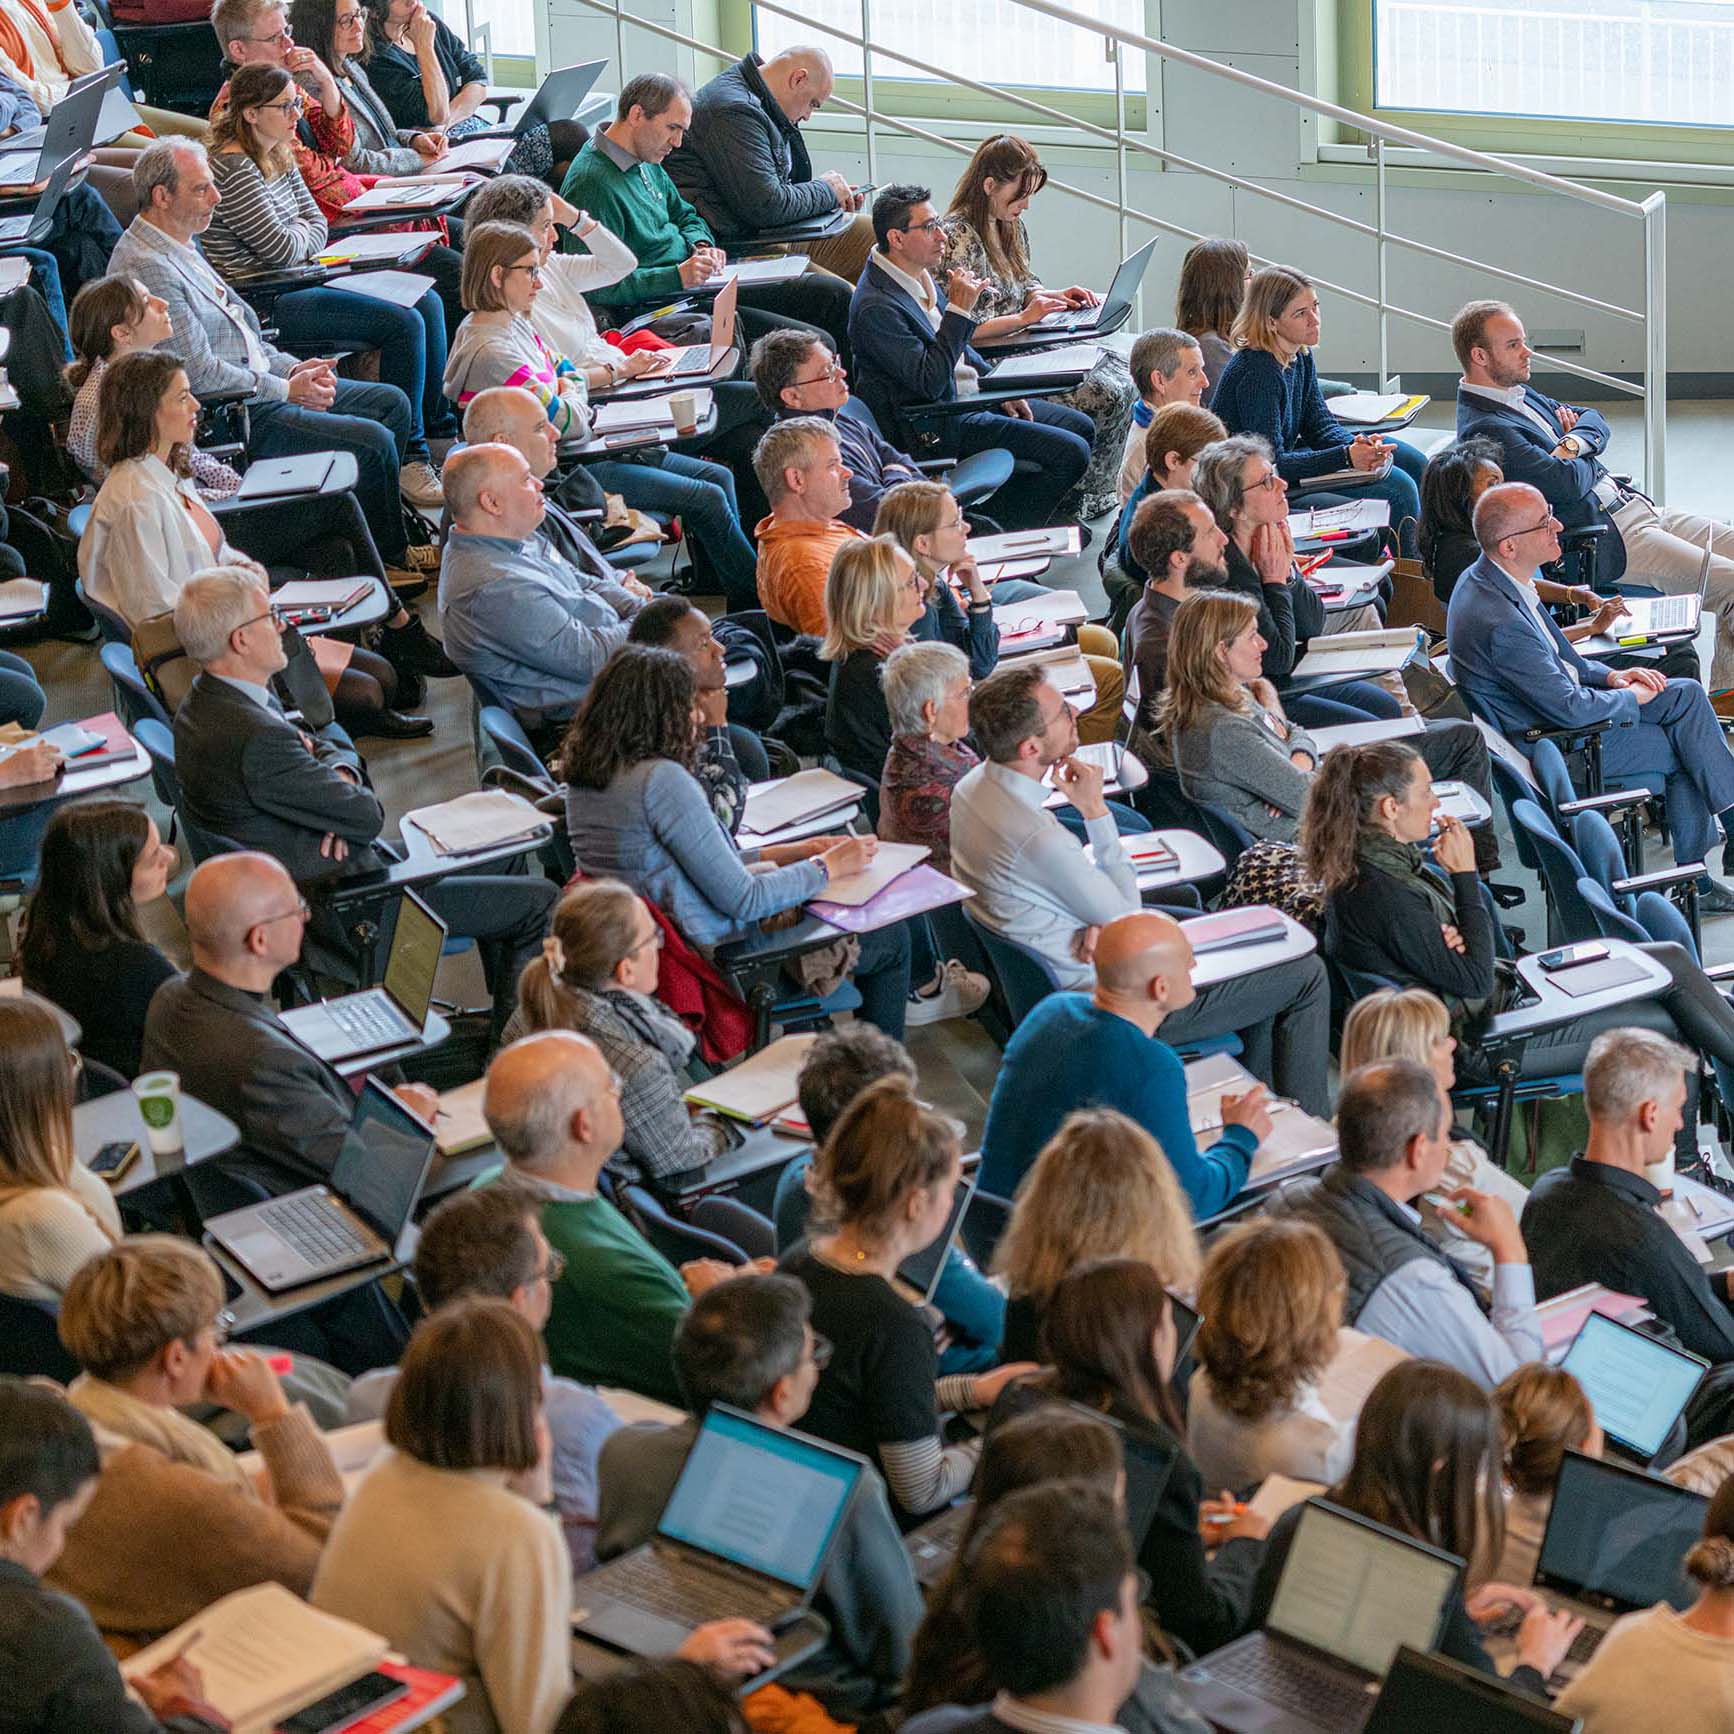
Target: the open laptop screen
(1430, 1695)
(921, 1270)
(1636, 1385)
(383, 1162)
(760, 1497)
(1616, 1537)
(1357, 1592)
(414, 960)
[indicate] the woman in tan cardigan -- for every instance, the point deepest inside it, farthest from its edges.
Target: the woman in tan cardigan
(176, 1522)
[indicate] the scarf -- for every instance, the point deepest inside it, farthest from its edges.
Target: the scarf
(164, 1430)
(654, 1024)
(1142, 414)
(1406, 864)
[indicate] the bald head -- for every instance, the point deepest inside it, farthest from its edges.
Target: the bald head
(1136, 950)
(545, 1101)
(491, 490)
(228, 897)
(1507, 510)
(799, 79)
(501, 415)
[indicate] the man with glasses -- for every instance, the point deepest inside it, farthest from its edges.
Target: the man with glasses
(912, 346)
(749, 1343)
(1520, 672)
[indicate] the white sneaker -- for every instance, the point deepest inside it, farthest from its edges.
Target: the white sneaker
(419, 483)
(961, 992)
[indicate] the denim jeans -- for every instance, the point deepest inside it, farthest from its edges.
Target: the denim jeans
(702, 495)
(1052, 452)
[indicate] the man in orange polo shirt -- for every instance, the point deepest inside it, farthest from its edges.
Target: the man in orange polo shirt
(800, 466)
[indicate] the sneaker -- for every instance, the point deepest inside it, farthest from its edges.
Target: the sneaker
(961, 993)
(419, 483)
(411, 647)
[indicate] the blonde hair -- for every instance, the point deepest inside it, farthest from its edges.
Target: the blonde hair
(909, 510)
(1393, 1023)
(884, 1147)
(1100, 1189)
(485, 246)
(1197, 677)
(1543, 1413)
(594, 926)
(36, 1148)
(860, 594)
(126, 1305)
(1267, 298)
(1272, 1301)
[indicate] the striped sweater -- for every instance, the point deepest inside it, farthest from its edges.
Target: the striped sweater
(502, 348)
(261, 225)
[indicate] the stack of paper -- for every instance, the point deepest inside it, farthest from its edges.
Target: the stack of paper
(786, 801)
(1562, 1316)
(488, 819)
(1047, 363)
(777, 269)
(20, 598)
(399, 288)
(1345, 655)
(1369, 514)
(1365, 408)
(486, 154)
(1279, 1492)
(760, 1087)
(1023, 544)
(913, 892)
(460, 1125)
(407, 195)
(890, 861)
(387, 249)
(652, 414)
(1298, 1143)
(337, 594)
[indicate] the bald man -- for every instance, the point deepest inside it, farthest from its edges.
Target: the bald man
(215, 1025)
(1100, 1050)
(513, 613)
(553, 1105)
(1520, 672)
(744, 165)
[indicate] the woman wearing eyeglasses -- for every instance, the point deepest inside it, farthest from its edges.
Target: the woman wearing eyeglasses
(268, 220)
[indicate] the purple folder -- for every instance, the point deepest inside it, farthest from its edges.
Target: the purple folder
(913, 893)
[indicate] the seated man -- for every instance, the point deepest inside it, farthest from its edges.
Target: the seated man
(514, 613)
(250, 775)
(292, 406)
(553, 1107)
(1167, 367)
(490, 1242)
(1519, 672)
(748, 1343)
(912, 347)
(800, 466)
(619, 179)
(1600, 1218)
(1557, 447)
(1035, 887)
(1393, 1141)
(1114, 1060)
(1179, 546)
(744, 166)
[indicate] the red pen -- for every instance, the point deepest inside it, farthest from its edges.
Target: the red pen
(1332, 536)
(1309, 567)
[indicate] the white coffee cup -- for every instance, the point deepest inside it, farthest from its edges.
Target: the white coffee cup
(683, 406)
(158, 1095)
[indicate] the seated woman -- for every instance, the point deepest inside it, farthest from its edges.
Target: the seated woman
(1109, 1343)
(636, 812)
(985, 236)
(926, 694)
(1543, 1413)
(1263, 1401)
(1688, 1658)
(885, 1179)
(176, 1522)
(512, 266)
(1178, 432)
(1271, 388)
(110, 318)
(102, 862)
(54, 1213)
(1426, 1464)
(269, 221)
(1213, 279)
(597, 975)
(872, 599)
(149, 532)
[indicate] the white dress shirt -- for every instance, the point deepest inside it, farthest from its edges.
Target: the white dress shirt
(926, 297)
(1607, 490)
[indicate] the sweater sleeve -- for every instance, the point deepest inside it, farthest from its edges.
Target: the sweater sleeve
(249, 213)
(522, 1644)
(1276, 626)
(1415, 941)
(1211, 1177)
(1242, 752)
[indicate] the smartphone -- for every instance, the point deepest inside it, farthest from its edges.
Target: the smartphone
(1570, 956)
(113, 1160)
(1187, 1319)
(346, 1705)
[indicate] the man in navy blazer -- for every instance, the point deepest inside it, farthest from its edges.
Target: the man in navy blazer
(911, 344)
(1557, 447)
(1520, 671)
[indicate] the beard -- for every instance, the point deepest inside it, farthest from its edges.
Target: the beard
(1201, 576)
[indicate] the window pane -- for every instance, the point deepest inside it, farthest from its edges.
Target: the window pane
(1660, 62)
(990, 40)
(511, 22)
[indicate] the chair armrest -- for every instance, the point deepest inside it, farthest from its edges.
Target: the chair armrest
(808, 934)
(1614, 801)
(1685, 873)
(1719, 971)
(936, 466)
(504, 777)
(1584, 533)
(1575, 732)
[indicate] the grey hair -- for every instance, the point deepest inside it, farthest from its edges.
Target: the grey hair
(507, 199)
(785, 446)
(1381, 1109)
(158, 165)
(1627, 1067)
(212, 603)
(917, 674)
(1159, 351)
(1216, 478)
(531, 1131)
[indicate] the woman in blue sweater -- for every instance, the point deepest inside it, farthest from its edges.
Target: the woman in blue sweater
(1271, 387)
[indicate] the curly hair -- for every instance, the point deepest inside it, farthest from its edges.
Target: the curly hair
(1448, 491)
(639, 707)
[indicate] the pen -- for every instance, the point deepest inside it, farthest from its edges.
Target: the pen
(1331, 536)
(1226, 1516)
(1309, 567)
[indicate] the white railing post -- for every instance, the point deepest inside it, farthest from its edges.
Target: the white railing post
(867, 91)
(1655, 345)
(620, 41)
(1117, 55)
(1382, 264)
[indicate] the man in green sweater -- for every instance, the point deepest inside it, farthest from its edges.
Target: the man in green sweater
(619, 179)
(553, 1106)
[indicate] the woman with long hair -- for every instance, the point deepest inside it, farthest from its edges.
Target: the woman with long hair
(1109, 1342)
(102, 861)
(636, 812)
(1100, 1188)
(1213, 279)
(985, 236)
(1271, 388)
(873, 596)
(1543, 1413)
(1426, 1464)
(884, 1184)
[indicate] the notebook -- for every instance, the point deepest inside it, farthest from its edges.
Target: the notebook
(760, 1087)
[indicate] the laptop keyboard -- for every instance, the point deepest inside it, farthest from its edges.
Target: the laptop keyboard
(1670, 613)
(1284, 1679)
(366, 1022)
(693, 355)
(320, 1234)
(660, 1581)
(1585, 1644)
(1065, 321)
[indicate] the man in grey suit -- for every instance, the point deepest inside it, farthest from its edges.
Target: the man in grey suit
(251, 776)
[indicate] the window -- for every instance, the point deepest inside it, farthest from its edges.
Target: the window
(511, 25)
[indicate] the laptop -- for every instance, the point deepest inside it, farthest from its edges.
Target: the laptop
(277, 478)
(920, 1271)
(359, 1219)
(32, 226)
(561, 96)
(1637, 1385)
(702, 358)
(745, 1534)
(1430, 1695)
(1614, 1543)
(1113, 307)
(1651, 615)
(1351, 1594)
(67, 134)
(380, 1017)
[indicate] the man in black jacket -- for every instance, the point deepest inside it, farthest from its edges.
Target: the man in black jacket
(744, 165)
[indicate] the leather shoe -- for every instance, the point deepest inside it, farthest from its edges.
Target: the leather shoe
(1714, 898)
(411, 648)
(393, 725)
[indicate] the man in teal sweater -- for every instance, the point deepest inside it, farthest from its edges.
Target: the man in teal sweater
(1099, 1050)
(619, 179)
